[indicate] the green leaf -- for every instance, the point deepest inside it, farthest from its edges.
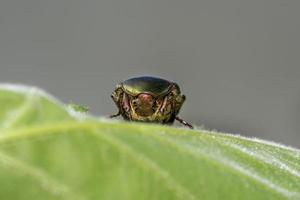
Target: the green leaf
(49, 151)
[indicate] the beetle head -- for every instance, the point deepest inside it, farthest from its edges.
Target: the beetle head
(144, 104)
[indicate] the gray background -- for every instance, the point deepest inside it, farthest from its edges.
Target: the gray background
(237, 61)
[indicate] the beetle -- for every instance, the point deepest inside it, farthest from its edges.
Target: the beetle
(149, 99)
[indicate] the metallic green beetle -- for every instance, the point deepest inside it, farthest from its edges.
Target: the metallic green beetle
(149, 99)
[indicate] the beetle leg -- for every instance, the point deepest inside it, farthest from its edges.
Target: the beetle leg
(184, 122)
(164, 104)
(116, 102)
(125, 103)
(115, 115)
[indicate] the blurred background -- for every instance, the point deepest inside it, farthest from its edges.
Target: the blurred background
(237, 61)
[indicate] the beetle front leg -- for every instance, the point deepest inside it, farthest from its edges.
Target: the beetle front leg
(115, 115)
(119, 112)
(164, 104)
(184, 122)
(125, 103)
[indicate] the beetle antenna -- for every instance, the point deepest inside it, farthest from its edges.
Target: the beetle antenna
(184, 122)
(115, 115)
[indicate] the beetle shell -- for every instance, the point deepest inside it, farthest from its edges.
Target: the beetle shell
(145, 84)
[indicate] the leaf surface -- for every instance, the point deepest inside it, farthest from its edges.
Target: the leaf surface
(48, 151)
